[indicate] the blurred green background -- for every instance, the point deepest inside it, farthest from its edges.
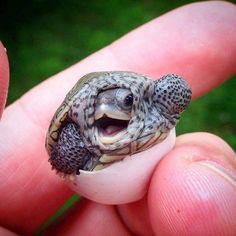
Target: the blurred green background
(44, 37)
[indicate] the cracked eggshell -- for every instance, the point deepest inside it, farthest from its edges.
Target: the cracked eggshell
(122, 182)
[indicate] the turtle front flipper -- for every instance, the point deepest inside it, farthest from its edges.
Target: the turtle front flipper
(69, 154)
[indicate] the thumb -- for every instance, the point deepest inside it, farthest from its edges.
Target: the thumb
(4, 77)
(193, 191)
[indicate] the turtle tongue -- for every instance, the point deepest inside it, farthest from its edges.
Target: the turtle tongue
(112, 130)
(112, 136)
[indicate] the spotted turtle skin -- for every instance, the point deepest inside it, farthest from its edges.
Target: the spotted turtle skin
(73, 139)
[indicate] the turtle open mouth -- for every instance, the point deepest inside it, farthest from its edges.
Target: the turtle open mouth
(110, 130)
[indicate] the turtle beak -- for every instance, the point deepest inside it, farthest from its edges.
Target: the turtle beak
(111, 112)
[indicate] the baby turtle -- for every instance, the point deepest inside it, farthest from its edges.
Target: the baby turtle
(109, 115)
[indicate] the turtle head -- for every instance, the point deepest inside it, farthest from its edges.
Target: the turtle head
(113, 113)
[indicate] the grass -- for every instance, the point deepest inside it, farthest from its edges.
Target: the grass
(214, 112)
(44, 37)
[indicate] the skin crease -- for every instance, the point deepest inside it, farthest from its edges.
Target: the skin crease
(193, 190)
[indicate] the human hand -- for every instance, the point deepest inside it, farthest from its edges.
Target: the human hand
(192, 191)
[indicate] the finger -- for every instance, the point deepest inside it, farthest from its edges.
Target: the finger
(6, 232)
(136, 217)
(23, 162)
(89, 218)
(193, 191)
(4, 77)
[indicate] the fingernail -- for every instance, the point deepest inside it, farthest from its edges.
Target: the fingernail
(3, 46)
(220, 170)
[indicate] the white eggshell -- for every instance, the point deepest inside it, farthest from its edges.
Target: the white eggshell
(122, 182)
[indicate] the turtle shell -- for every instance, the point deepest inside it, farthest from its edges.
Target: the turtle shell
(61, 113)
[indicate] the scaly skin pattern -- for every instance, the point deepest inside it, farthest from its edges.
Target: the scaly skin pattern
(74, 137)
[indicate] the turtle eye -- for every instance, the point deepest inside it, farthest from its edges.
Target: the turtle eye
(128, 101)
(124, 99)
